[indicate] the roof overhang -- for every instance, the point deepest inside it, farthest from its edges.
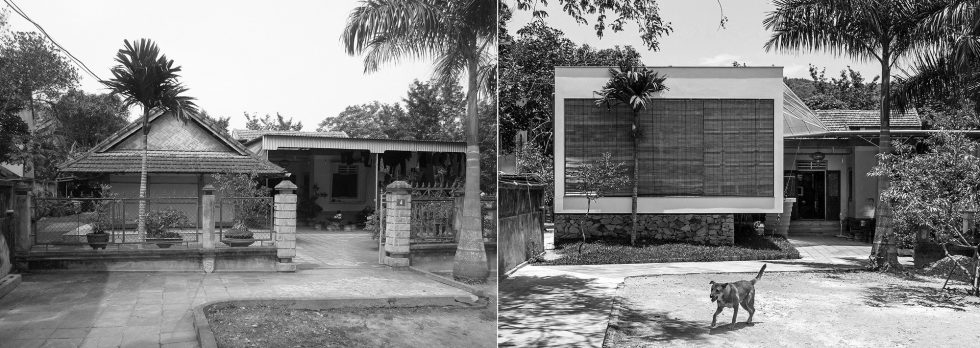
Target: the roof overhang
(875, 133)
(271, 142)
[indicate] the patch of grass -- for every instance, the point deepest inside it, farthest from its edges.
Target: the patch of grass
(748, 246)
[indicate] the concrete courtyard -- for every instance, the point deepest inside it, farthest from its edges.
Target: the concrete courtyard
(154, 309)
(569, 306)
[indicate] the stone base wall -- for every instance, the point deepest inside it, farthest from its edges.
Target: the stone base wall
(713, 229)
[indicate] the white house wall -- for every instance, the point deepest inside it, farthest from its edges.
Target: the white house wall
(683, 82)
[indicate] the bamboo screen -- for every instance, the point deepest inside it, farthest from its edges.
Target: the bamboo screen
(688, 147)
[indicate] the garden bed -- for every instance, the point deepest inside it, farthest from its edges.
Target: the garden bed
(280, 326)
(747, 247)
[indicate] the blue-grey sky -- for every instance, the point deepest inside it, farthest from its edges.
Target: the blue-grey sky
(255, 56)
(697, 39)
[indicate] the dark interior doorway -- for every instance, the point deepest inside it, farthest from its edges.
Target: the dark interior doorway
(811, 197)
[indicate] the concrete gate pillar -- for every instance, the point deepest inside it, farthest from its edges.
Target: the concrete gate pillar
(207, 222)
(398, 222)
(285, 226)
(22, 223)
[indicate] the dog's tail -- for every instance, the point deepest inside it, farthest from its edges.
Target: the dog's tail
(757, 277)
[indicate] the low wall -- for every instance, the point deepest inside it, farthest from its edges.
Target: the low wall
(713, 229)
(251, 259)
(521, 238)
(440, 257)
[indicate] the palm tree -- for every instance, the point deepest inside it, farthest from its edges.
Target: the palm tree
(459, 36)
(947, 67)
(146, 78)
(883, 31)
(634, 87)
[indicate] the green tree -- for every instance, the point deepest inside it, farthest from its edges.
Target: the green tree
(645, 13)
(883, 31)
(217, 122)
(460, 36)
(34, 69)
(849, 91)
(146, 78)
(374, 120)
(634, 87)
(85, 119)
(434, 110)
(931, 189)
(597, 178)
(12, 131)
(267, 122)
(527, 78)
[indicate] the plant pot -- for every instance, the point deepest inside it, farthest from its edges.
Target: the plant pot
(238, 242)
(164, 243)
(97, 240)
(905, 252)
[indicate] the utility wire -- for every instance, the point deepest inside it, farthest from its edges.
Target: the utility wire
(20, 12)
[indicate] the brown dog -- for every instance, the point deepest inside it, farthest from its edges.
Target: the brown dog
(734, 294)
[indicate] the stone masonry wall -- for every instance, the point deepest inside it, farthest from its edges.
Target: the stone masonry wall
(713, 229)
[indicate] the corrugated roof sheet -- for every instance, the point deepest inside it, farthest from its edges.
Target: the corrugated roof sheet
(840, 120)
(171, 162)
(247, 134)
(798, 119)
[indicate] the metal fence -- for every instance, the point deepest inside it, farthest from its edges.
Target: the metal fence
(67, 223)
(433, 219)
(245, 219)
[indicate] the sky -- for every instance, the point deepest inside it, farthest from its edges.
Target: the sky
(697, 39)
(237, 56)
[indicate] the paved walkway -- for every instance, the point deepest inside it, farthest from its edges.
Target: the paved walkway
(143, 309)
(568, 306)
(321, 249)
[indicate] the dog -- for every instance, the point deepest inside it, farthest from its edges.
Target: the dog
(734, 294)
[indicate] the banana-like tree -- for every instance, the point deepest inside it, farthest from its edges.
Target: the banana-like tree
(146, 78)
(460, 37)
(634, 87)
(882, 31)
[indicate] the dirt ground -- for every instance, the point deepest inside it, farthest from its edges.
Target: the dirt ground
(270, 326)
(819, 309)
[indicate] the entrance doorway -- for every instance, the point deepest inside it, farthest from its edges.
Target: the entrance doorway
(817, 194)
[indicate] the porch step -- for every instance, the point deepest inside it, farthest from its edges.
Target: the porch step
(817, 227)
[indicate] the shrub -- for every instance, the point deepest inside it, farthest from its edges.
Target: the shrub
(238, 231)
(249, 212)
(158, 222)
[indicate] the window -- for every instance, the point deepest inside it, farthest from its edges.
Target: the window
(688, 147)
(345, 181)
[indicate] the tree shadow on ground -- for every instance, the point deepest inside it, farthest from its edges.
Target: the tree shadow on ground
(642, 328)
(528, 306)
(849, 263)
(894, 295)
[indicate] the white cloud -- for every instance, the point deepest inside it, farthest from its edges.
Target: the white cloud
(722, 59)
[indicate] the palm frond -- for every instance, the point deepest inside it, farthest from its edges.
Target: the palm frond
(147, 78)
(840, 27)
(631, 86)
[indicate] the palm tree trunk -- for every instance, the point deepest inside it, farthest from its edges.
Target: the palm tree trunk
(141, 219)
(885, 250)
(636, 175)
(471, 257)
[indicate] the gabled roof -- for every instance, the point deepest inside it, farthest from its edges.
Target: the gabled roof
(245, 135)
(172, 147)
(842, 120)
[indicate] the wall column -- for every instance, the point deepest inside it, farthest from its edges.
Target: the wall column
(22, 214)
(207, 227)
(398, 222)
(285, 226)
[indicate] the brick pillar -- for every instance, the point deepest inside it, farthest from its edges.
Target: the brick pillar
(22, 212)
(398, 222)
(285, 226)
(207, 227)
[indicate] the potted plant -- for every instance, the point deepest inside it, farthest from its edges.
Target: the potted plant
(238, 236)
(158, 224)
(99, 238)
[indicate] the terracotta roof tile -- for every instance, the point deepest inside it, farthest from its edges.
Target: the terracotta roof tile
(172, 162)
(842, 120)
(248, 134)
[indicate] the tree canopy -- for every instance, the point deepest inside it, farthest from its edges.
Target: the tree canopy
(527, 77)
(848, 91)
(268, 122)
(645, 13)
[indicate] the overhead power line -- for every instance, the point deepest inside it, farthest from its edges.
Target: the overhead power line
(13, 6)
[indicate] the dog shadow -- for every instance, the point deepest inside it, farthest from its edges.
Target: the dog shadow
(731, 327)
